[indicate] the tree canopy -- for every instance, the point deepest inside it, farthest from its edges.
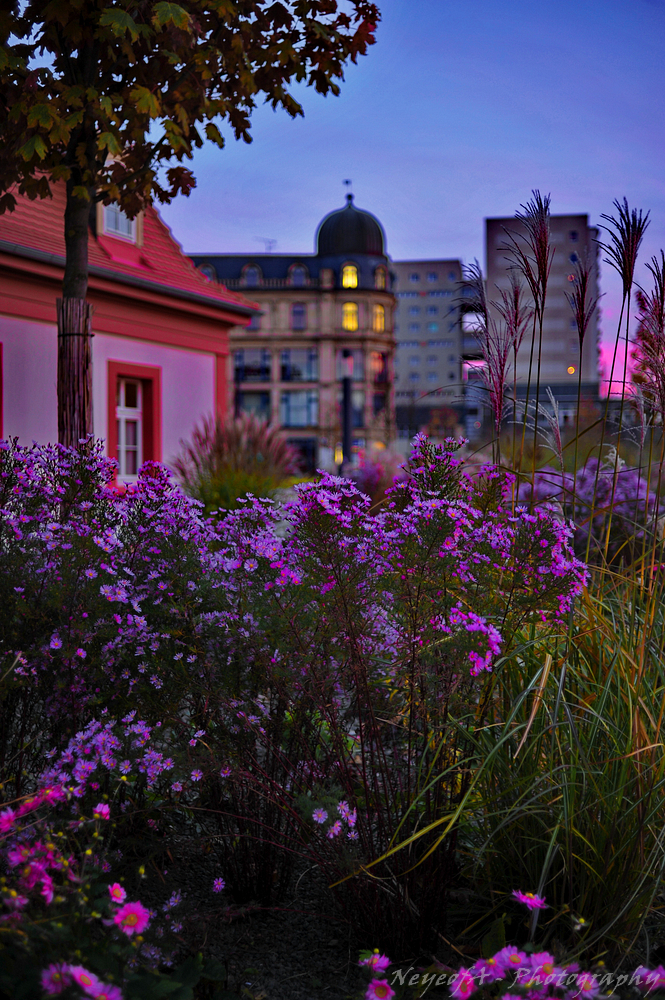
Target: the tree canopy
(102, 94)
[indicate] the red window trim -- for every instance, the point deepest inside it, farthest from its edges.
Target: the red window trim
(2, 401)
(152, 408)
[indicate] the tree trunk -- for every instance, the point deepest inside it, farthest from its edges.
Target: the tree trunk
(74, 371)
(74, 327)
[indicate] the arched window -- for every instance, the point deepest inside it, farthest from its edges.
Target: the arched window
(380, 277)
(350, 316)
(349, 276)
(251, 276)
(208, 271)
(298, 316)
(378, 319)
(298, 276)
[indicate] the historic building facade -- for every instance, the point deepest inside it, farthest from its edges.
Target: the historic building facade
(323, 315)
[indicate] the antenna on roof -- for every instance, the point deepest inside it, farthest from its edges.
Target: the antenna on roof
(270, 244)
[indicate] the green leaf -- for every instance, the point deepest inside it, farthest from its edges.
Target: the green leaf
(145, 101)
(120, 22)
(41, 114)
(215, 135)
(108, 141)
(35, 146)
(170, 13)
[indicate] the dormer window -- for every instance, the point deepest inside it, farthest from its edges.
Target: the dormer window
(380, 277)
(251, 276)
(298, 276)
(208, 271)
(117, 223)
(349, 276)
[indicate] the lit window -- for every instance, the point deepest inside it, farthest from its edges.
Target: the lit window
(129, 416)
(298, 316)
(300, 408)
(350, 277)
(116, 223)
(380, 277)
(433, 327)
(378, 319)
(414, 277)
(432, 276)
(379, 365)
(350, 316)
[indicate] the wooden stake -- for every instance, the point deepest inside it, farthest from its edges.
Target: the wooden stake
(74, 371)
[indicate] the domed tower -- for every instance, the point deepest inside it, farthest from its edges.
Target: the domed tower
(350, 230)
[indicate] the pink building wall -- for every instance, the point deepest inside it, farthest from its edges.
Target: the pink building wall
(29, 396)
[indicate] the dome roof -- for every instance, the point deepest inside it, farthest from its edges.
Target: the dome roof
(349, 230)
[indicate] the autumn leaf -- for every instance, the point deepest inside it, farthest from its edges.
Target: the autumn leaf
(35, 146)
(145, 101)
(40, 114)
(109, 142)
(120, 22)
(170, 13)
(215, 135)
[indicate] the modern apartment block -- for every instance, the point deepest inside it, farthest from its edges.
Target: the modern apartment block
(320, 314)
(571, 239)
(428, 331)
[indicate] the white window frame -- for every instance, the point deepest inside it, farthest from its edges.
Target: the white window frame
(118, 225)
(124, 416)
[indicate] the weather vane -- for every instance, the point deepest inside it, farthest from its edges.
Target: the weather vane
(270, 244)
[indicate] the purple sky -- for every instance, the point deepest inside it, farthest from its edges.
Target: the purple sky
(457, 113)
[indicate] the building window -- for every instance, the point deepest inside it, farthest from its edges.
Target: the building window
(573, 236)
(414, 277)
(414, 376)
(350, 316)
(326, 277)
(573, 258)
(208, 271)
(358, 365)
(357, 407)
(300, 364)
(379, 364)
(298, 316)
(414, 310)
(116, 223)
(378, 403)
(349, 276)
(380, 277)
(432, 376)
(414, 327)
(129, 427)
(432, 276)
(432, 310)
(433, 327)
(254, 322)
(432, 359)
(298, 276)
(452, 276)
(134, 419)
(378, 319)
(414, 359)
(300, 409)
(251, 276)
(252, 364)
(255, 403)
(440, 343)
(307, 449)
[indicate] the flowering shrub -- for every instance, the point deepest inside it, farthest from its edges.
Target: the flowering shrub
(624, 502)
(313, 665)
(57, 903)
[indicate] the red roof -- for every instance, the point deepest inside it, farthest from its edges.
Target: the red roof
(38, 228)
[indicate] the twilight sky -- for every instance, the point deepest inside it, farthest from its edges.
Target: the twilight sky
(457, 113)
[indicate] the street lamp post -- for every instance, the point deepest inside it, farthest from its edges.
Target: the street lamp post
(347, 410)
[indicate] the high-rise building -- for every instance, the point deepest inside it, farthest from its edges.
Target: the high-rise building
(318, 311)
(428, 392)
(572, 239)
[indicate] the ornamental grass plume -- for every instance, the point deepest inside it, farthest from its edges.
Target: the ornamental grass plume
(517, 316)
(649, 351)
(226, 460)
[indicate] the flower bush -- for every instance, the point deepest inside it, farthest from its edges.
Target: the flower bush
(283, 658)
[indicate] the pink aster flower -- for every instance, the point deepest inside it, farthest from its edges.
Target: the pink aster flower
(379, 989)
(85, 979)
(530, 899)
(656, 978)
(464, 985)
(319, 815)
(101, 811)
(376, 962)
(488, 970)
(197, 775)
(132, 918)
(334, 830)
(512, 958)
(218, 885)
(117, 893)
(55, 979)
(543, 962)
(104, 992)
(587, 985)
